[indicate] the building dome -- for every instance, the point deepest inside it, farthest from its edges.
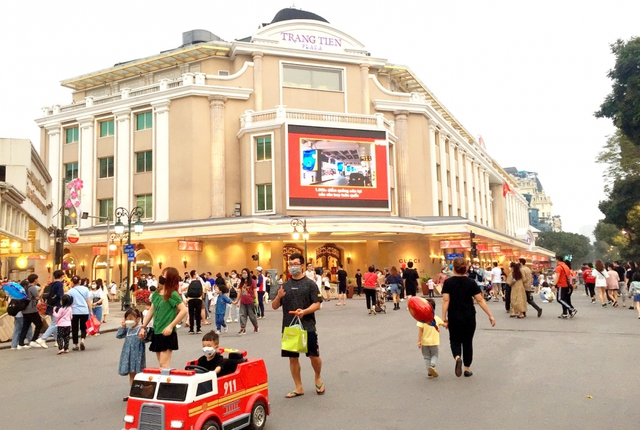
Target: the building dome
(290, 13)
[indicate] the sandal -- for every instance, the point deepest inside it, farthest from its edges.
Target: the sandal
(320, 389)
(293, 394)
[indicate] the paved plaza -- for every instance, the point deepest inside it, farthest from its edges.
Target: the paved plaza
(534, 373)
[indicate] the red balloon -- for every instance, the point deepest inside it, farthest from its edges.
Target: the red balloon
(420, 309)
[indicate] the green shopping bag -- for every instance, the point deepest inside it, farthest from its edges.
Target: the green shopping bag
(294, 337)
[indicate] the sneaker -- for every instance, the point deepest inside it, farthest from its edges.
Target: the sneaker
(256, 329)
(545, 301)
(42, 343)
(229, 320)
(200, 332)
(14, 347)
(23, 346)
(235, 320)
(241, 332)
(574, 312)
(432, 372)
(604, 305)
(226, 329)
(191, 332)
(593, 300)
(563, 316)
(178, 325)
(217, 331)
(34, 345)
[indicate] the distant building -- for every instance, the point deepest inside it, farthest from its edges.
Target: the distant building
(25, 208)
(540, 205)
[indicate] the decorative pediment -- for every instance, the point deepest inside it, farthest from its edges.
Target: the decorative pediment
(310, 36)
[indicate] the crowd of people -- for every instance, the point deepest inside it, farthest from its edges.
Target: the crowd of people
(237, 297)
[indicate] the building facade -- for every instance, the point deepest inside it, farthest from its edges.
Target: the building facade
(25, 208)
(223, 144)
(540, 205)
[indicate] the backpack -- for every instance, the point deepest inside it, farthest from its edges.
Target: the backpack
(195, 290)
(233, 294)
(49, 297)
(16, 306)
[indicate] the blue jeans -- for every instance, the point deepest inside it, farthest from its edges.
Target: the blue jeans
(52, 330)
(17, 327)
(206, 306)
(220, 321)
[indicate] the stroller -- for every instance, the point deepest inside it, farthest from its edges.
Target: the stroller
(381, 297)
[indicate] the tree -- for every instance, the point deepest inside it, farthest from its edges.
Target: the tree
(622, 158)
(563, 243)
(609, 243)
(622, 105)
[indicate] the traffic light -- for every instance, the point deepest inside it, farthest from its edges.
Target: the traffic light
(474, 248)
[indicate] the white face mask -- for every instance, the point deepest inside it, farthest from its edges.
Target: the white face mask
(130, 323)
(209, 351)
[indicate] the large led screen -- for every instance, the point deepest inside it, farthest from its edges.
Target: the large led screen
(331, 168)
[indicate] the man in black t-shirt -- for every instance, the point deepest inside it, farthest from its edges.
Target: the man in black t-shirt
(359, 282)
(342, 286)
(410, 279)
(300, 297)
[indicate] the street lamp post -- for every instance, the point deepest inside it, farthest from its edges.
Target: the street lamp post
(86, 215)
(138, 228)
(302, 224)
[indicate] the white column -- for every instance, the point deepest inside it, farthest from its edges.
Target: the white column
(469, 175)
(87, 168)
(433, 161)
(483, 194)
(489, 202)
(257, 80)
(443, 174)
(452, 168)
(123, 159)
(402, 169)
(364, 92)
(462, 174)
(160, 195)
(55, 165)
(218, 156)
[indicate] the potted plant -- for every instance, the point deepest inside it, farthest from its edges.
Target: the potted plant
(351, 285)
(424, 285)
(142, 297)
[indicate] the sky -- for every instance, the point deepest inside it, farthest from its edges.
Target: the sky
(526, 76)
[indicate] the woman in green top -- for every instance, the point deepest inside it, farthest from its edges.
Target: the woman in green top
(167, 310)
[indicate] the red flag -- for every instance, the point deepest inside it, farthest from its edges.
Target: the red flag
(506, 189)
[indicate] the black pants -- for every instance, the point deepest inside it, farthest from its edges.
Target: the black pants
(79, 322)
(195, 306)
(507, 297)
(63, 338)
(564, 298)
(33, 318)
(530, 300)
(261, 303)
(370, 294)
(461, 333)
(592, 289)
(359, 289)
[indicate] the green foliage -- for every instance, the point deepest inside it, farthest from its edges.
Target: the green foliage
(622, 104)
(563, 243)
(609, 242)
(622, 158)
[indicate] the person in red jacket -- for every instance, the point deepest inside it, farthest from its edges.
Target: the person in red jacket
(589, 281)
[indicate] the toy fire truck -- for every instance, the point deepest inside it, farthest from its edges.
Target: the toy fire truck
(196, 399)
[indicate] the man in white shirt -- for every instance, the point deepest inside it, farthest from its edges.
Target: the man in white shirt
(496, 281)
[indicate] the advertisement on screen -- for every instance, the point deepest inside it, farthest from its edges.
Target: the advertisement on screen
(331, 168)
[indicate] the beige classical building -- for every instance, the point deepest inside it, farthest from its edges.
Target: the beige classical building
(222, 144)
(25, 208)
(540, 205)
